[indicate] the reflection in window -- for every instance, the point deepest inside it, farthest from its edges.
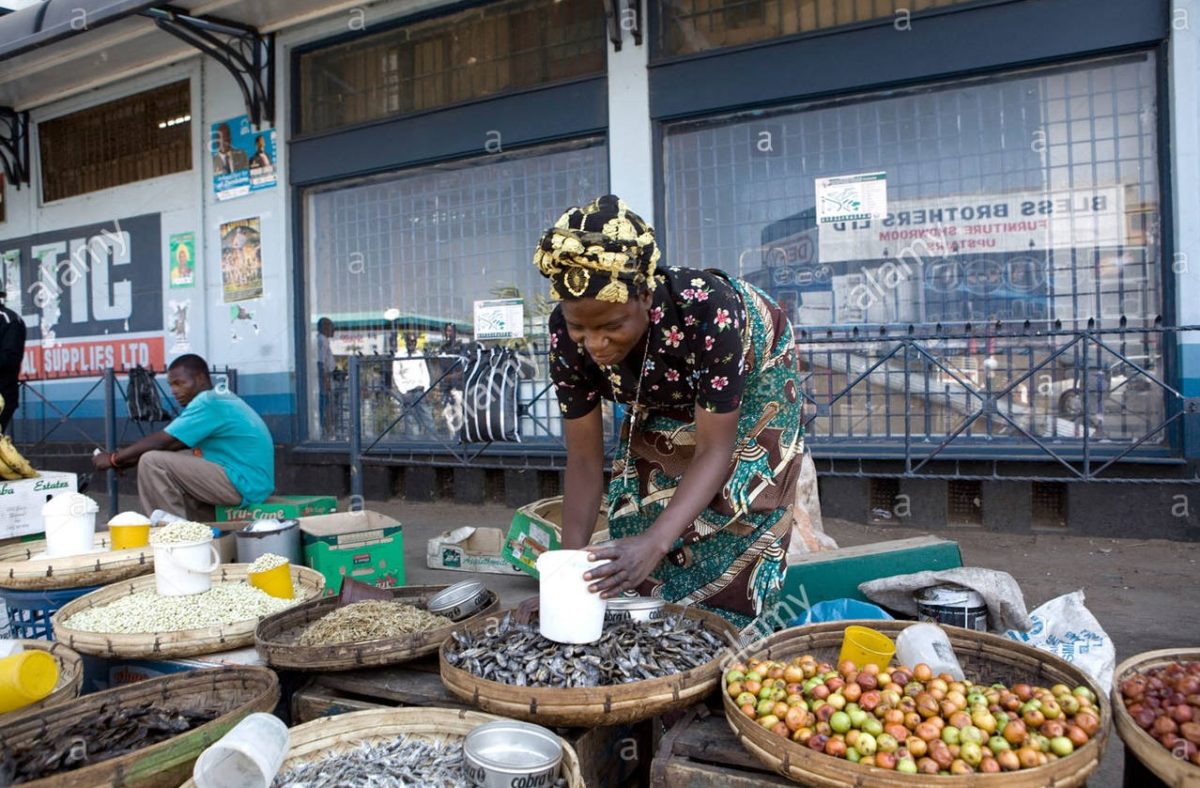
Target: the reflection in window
(395, 263)
(1029, 197)
(691, 26)
(465, 56)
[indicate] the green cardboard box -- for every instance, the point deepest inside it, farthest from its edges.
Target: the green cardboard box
(836, 574)
(365, 546)
(280, 507)
(527, 539)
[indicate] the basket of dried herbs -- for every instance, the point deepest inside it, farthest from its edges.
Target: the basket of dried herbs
(324, 635)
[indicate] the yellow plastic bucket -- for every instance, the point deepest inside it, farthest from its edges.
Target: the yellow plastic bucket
(26, 678)
(865, 646)
(126, 537)
(277, 582)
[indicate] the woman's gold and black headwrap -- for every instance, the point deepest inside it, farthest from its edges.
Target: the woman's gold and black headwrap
(602, 250)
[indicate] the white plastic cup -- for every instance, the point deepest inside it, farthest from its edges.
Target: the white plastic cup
(69, 520)
(569, 612)
(184, 568)
(928, 643)
(249, 756)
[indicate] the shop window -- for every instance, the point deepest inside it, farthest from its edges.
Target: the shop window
(132, 139)
(1026, 198)
(450, 59)
(691, 26)
(395, 264)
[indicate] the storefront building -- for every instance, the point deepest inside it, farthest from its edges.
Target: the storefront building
(994, 334)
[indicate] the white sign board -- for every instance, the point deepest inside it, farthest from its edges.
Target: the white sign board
(982, 224)
(501, 318)
(850, 198)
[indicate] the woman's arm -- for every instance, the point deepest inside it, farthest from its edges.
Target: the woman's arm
(584, 482)
(634, 558)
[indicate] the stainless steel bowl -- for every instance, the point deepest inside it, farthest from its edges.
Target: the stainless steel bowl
(459, 601)
(634, 608)
(511, 754)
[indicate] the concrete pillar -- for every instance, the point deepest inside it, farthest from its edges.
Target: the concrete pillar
(630, 132)
(1184, 100)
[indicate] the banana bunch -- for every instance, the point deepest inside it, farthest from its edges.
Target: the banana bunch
(12, 465)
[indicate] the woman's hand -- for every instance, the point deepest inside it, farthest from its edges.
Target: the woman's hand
(630, 561)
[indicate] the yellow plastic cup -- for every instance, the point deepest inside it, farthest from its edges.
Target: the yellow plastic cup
(126, 537)
(26, 678)
(864, 646)
(277, 582)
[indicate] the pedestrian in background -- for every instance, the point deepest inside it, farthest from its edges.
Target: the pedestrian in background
(12, 353)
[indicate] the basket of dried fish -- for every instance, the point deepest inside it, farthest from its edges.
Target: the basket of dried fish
(320, 635)
(70, 674)
(637, 670)
(25, 565)
(131, 619)
(402, 746)
(136, 736)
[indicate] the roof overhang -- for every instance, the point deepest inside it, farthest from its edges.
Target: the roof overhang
(60, 48)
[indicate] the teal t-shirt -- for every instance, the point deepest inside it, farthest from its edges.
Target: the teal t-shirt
(228, 432)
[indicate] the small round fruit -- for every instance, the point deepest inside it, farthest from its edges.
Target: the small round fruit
(971, 752)
(840, 722)
(885, 760)
(922, 672)
(1009, 760)
(866, 745)
(1061, 746)
(906, 766)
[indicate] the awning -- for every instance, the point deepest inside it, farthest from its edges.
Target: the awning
(59, 48)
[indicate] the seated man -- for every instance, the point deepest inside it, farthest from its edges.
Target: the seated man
(216, 451)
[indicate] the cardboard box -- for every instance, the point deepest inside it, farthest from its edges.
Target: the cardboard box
(836, 574)
(21, 501)
(280, 507)
(102, 674)
(469, 549)
(366, 546)
(537, 527)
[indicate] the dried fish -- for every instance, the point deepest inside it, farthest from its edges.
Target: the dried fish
(370, 619)
(400, 762)
(628, 651)
(111, 732)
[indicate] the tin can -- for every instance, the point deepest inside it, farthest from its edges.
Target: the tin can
(459, 601)
(634, 608)
(952, 605)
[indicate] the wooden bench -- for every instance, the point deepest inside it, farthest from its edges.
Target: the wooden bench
(700, 751)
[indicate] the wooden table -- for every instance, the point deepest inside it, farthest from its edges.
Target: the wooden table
(609, 757)
(700, 751)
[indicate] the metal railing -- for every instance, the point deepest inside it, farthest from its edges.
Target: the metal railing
(44, 419)
(1082, 400)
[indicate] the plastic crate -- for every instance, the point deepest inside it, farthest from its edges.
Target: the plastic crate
(29, 611)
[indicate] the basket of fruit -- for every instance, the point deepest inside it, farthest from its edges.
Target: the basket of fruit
(1019, 717)
(1156, 707)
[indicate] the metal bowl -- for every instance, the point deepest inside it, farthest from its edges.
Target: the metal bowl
(634, 608)
(511, 754)
(459, 601)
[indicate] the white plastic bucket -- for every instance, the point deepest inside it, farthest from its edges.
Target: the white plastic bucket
(184, 568)
(569, 612)
(928, 643)
(249, 756)
(69, 520)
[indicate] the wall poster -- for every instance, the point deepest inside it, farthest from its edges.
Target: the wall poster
(183, 259)
(241, 261)
(243, 159)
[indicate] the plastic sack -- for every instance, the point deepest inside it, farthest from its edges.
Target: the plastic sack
(1066, 628)
(841, 610)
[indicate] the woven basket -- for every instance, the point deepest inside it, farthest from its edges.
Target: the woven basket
(233, 691)
(70, 674)
(591, 706)
(984, 658)
(19, 569)
(276, 636)
(1173, 771)
(178, 643)
(327, 735)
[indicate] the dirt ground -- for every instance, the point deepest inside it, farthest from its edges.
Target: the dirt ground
(1144, 592)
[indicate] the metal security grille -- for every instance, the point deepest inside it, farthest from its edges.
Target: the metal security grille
(964, 503)
(412, 252)
(690, 26)
(450, 59)
(883, 494)
(1023, 215)
(131, 139)
(1049, 503)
